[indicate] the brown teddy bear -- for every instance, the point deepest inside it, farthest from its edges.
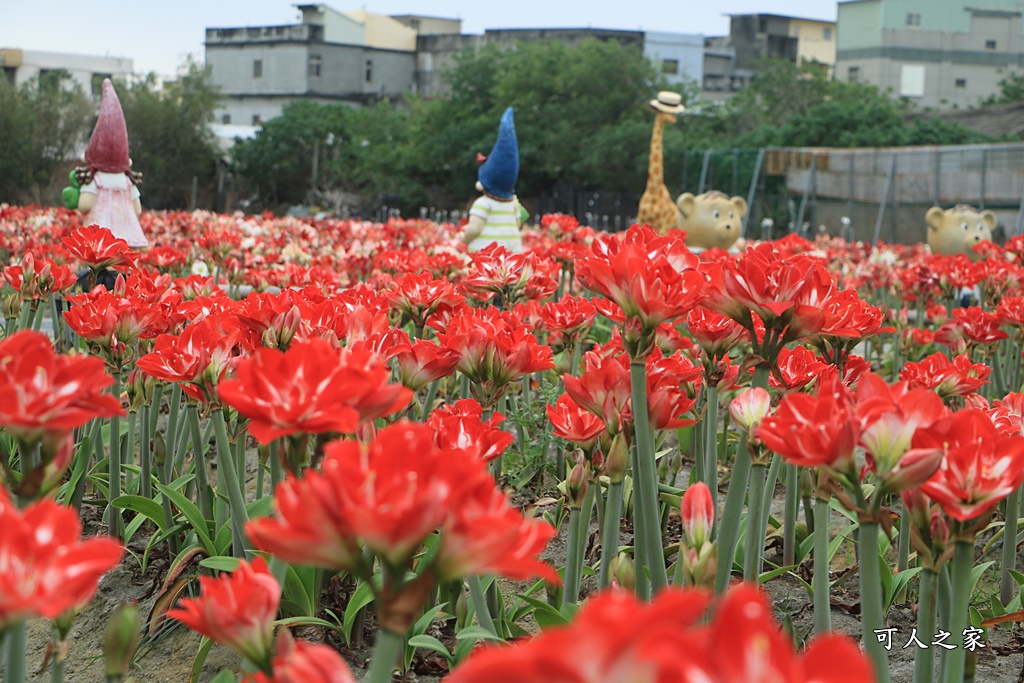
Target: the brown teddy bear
(958, 230)
(712, 219)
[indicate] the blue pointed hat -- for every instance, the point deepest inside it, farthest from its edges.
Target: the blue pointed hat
(499, 173)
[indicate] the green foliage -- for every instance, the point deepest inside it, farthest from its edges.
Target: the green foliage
(1011, 89)
(170, 141)
(41, 124)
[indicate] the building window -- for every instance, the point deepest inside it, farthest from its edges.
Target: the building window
(369, 70)
(826, 33)
(960, 82)
(257, 68)
(853, 74)
(990, 44)
(225, 119)
(315, 65)
(913, 19)
(256, 119)
(912, 80)
(670, 66)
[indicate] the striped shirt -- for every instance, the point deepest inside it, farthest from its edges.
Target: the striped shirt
(501, 223)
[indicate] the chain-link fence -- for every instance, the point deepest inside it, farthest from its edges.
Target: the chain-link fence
(862, 194)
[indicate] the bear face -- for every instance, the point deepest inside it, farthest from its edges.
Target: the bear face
(958, 230)
(711, 219)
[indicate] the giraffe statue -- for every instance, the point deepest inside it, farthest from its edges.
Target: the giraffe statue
(656, 206)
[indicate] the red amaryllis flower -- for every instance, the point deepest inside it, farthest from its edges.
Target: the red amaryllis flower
(958, 377)
(296, 661)
(572, 422)
(418, 295)
(110, 321)
(46, 392)
(486, 535)
(815, 431)
(493, 351)
(652, 279)
(671, 390)
(45, 567)
(750, 407)
(970, 325)
(614, 637)
(848, 316)
(1007, 414)
(716, 334)
(390, 494)
(310, 388)
(38, 278)
(891, 416)
(420, 362)
(980, 466)
(97, 248)
(797, 367)
(603, 388)
(462, 425)
(236, 610)
(569, 315)
(197, 358)
(164, 257)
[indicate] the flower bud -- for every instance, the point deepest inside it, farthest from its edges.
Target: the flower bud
(139, 387)
(576, 486)
(623, 572)
(698, 512)
(913, 469)
(616, 459)
(939, 528)
(120, 641)
(750, 407)
(11, 306)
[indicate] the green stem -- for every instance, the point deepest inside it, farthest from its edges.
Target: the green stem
(963, 563)
(710, 424)
(571, 589)
(17, 642)
(56, 669)
(1007, 586)
(903, 553)
(820, 580)
(145, 456)
(924, 660)
(872, 617)
(276, 471)
(790, 512)
(114, 466)
(129, 455)
(205, 493)
(227, 476)
(769, 490)
(647, 521)
(385, 654)
(610, 533)
(476, 594)
(731, 516)
(754, 547)
(429, 400)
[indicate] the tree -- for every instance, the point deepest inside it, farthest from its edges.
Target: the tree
(169, 136)
(42, 124)
(1011, 89)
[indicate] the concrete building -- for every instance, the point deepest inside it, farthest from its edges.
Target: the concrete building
(796, 39)
(429, 26)
(20, 66)
(330, 56)
(937, 53)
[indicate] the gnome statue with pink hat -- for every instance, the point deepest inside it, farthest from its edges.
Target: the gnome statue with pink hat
(105, 188)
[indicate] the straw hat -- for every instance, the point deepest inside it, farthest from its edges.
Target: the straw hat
(668, 102)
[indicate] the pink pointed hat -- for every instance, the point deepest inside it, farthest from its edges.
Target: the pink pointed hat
(108, 146)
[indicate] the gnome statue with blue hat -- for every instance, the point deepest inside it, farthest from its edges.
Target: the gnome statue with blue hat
(105, 188)
(495, 216)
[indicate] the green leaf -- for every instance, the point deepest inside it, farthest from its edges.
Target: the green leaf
(192, 514)
(767, 576)
(430, 643)
(545, 615)
(205, 645)
(362, 597)
(477, 632)
(261, 507)
(220, 563)
(224, 676)
(147, 507)
(306, 621)
(976, 573)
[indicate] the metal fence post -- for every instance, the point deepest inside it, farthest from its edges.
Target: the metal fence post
(884, 199)
(750, 192)
(984, 173)
(807, 190)
(704, 171)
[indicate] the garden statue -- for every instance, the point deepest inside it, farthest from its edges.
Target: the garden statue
(496, 216)
(711, 219)
(105, 188)
(959, 230)
(656, 207)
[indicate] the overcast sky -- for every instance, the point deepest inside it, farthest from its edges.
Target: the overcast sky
(159, 35)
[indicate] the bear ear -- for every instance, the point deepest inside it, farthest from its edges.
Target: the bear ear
(687, 203)
(989, 219)
(741, 205)
(934, 218)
